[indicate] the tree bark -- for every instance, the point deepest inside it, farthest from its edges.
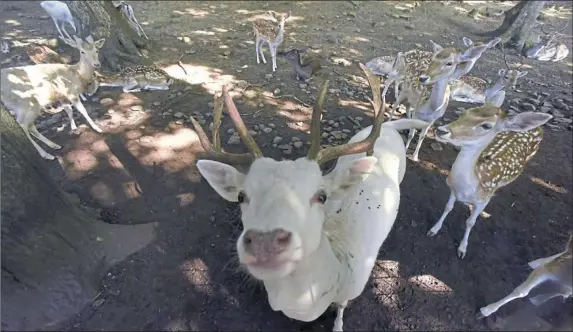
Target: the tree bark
(53, 251)
(102, 20)
(518, 24)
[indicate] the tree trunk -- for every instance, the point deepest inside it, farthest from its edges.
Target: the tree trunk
(518, 24)
(102, 20)
(53, 251)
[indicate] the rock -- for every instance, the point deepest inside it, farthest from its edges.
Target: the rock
(234, 139)
(267, 130)
(253, 133)
(418, 45)
(268, 76)
(227, 53)
(179, 115)
(337, 134)
(302, 86)
(399, 38)
(564, 120)
(271, 125)
(436, 146)
(231, 131)
(342, 62)
(298, 144)
(261, 105)
(277, 140)
(528, 107)
(284, 146)
(556, 113)
(545, 109)
(107, 102)
(156, 103)
(277, 92)
(287, 151)
(559, 104)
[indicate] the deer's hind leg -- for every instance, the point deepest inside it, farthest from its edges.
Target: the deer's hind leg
(34, 131)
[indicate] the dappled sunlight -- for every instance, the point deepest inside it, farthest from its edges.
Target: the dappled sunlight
(212, 79)
(359, 39)
(547, 185)
(195, 271)
(13, 22)
(433, 167)
(386, 276)
(429, 283)
(363, 106)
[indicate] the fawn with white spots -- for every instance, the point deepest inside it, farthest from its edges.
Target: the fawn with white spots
(312, 239)
(271, 33)
(495, 150)
(557, 268)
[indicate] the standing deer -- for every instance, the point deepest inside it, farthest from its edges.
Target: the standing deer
(431, 90)
(60, 14)
(312, 239)
(495, 149)
(558, 268)
(271, 33)
(548, 49)
(30, 90)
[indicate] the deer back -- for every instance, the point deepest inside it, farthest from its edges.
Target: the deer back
(504, 159)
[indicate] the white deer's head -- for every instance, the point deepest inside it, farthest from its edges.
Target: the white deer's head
(283, 202)
(89, 49)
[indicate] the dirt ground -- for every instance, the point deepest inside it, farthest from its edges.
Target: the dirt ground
(142, 170)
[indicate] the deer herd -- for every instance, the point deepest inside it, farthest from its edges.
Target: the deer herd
(313, 239)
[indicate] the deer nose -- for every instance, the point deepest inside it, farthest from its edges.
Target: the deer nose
(424, 78)
(266, 245)
(442, 130)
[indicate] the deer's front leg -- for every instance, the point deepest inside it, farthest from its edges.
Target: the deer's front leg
(34, 131)
(80, 107)
(449, 206)
(423, 134)
(535, 278)
(339, 316)
(70, 112)
(273, 50)
(470, 222)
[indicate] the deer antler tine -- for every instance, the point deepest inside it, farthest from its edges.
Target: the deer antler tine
(367, 144)
(217, 114)
(240, 125)
(374, 82)
(504, 58)
(315, 123)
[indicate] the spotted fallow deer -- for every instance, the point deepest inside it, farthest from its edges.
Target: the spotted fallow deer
(432, 88)
(471, 89)
(312, 239)
(29, 91)
(495, 149)
(557, 268)
(271, 33)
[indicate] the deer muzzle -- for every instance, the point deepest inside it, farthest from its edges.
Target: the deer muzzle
(264, 249)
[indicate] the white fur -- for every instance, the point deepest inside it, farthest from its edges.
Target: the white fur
(59, 12)
(335, 245)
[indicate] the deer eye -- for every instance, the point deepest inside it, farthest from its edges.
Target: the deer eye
(320, 197)
(449, 64)
(486, 126)
(242, 197)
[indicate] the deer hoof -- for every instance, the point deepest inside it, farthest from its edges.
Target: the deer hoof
(48, 156)
(461, 253)
(432, 233)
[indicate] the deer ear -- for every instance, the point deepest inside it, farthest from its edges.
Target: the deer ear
(526, 121)
(287, 15)
(224, 179)
(468, 42)
(435, 47)
(493, 42)
(342, 182)
(522, 73)
(99, 43)
(473, 53)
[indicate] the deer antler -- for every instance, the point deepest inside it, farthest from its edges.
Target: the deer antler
(504, 59)
(366, 145)
(214, 150)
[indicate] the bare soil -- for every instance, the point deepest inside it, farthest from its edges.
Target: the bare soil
(142, 170)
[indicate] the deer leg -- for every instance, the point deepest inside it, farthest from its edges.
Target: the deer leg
(449, 206)
(70, 112)
(273, 50)
(261, 42)
(80, 107)
(411, 135)
(66, 31)
(41, 151)
(339, 316)
(34, 131)
(257, 45)
(535, 278)
(470, 222)
(540, 299)
(423, 134)
(131, 86)
(58, 27)
(541, 261)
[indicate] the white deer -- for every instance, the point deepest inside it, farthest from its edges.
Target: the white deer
(29, 91)
(557, 268)
(495, 150)
(59, 12)
(271, 33)
(129, 14)
(312, 239)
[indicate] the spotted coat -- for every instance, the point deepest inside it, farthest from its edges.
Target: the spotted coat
(504, 159)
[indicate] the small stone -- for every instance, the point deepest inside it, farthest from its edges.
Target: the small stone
(267, 130)
(268, 76)
(156, 103)
(179, 115)
(212, 218)
(253, 133)
(436, 146)
(211, 104)
(399, 38)
(337, 134)
(277, 140)
(302, 86)
(528, 107)
(418, 45)
(261, 105)
(559, 103)
(277, 92)
(271, 125)
(98, 303)
(234, 139)
(231, 131)
(556, 113)
(107, 102)
(284, 146)
(298, 144)
(545, 109)
(287, 152)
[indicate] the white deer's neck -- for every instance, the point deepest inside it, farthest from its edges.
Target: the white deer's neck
(307, 292)
(494, 89)
(85, 69)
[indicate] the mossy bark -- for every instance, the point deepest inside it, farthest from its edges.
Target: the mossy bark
(102, 20)
(53, 251)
